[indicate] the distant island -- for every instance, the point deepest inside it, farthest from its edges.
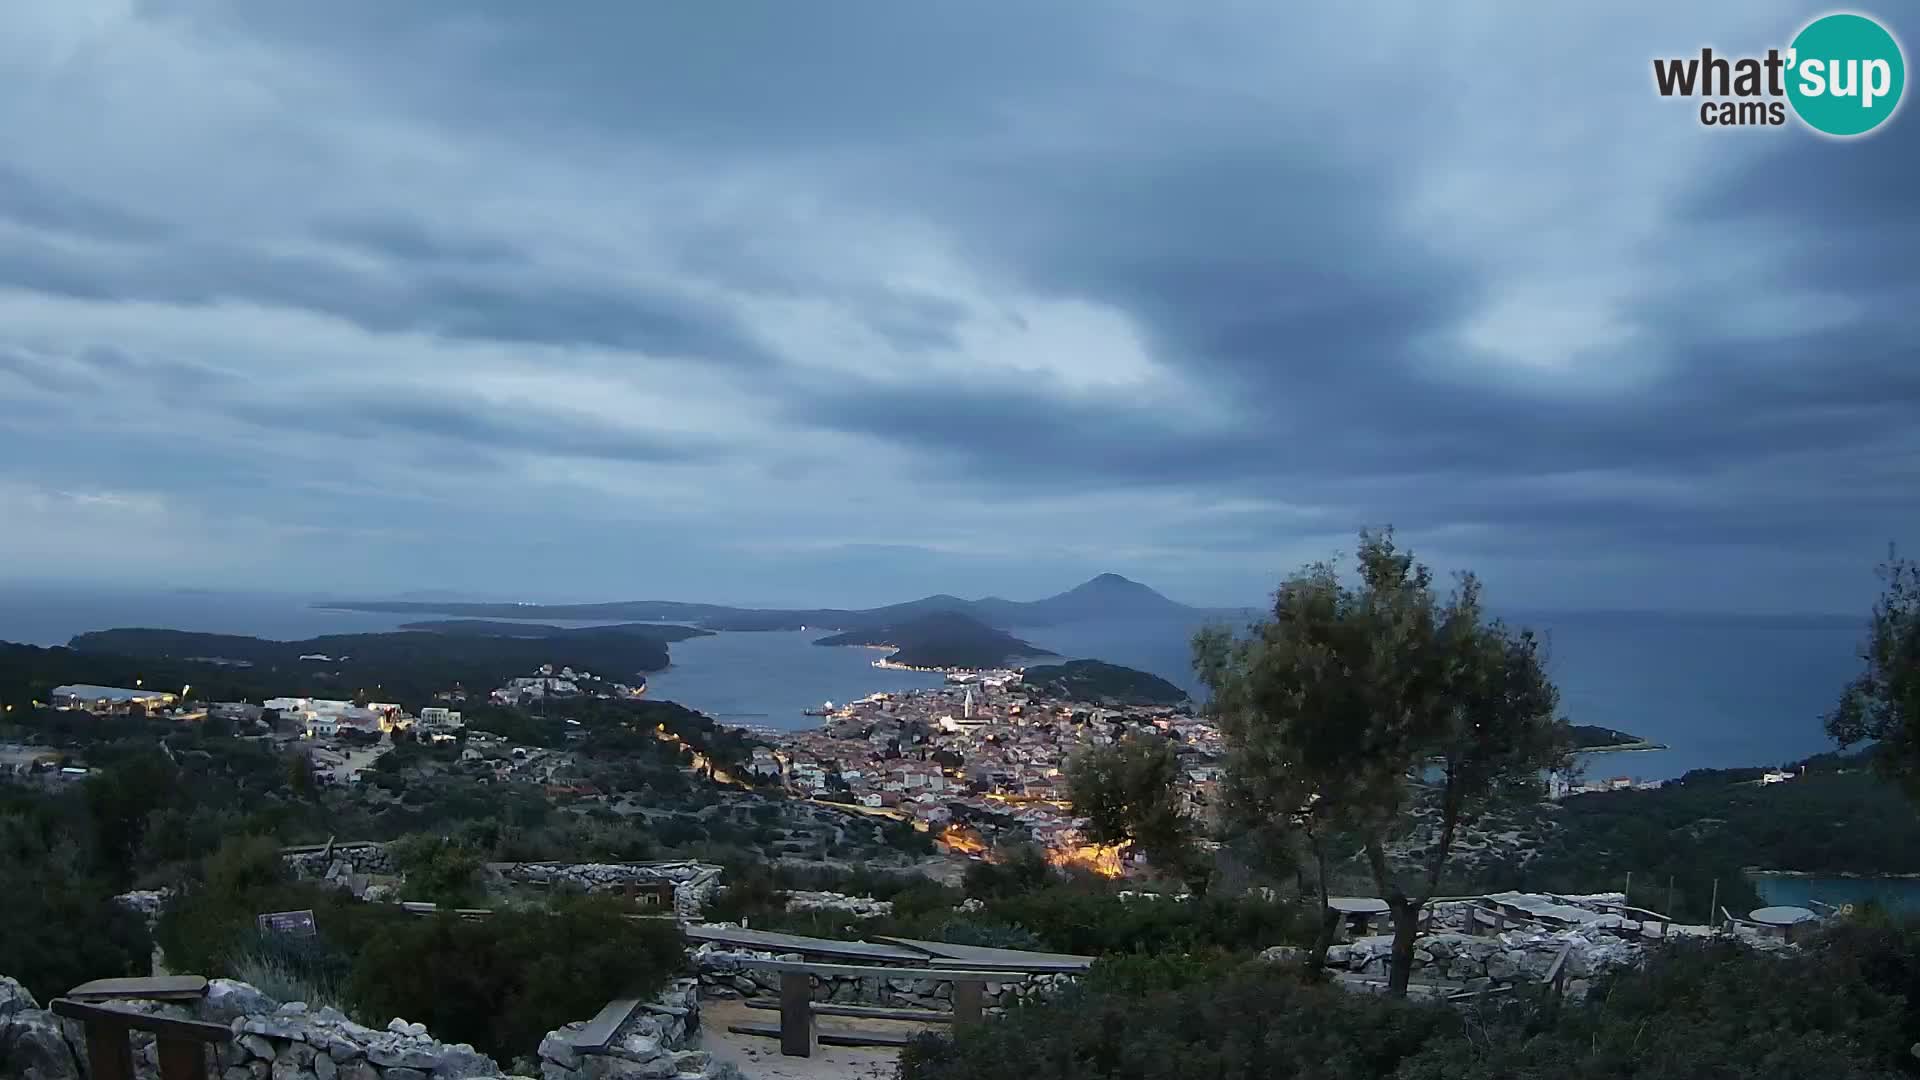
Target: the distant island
(1097, 681)
(407, 666)
(943, 639)
(1588, 739)
(667, 632)
(1108, 596)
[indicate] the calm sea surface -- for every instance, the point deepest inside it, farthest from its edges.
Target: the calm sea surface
(1719, 690)
(1895, 894)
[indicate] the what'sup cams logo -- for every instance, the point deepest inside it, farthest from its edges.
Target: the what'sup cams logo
(1842, 76)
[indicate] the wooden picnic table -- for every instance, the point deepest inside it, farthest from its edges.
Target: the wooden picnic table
(796, 1032)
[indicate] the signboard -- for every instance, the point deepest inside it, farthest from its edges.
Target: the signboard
(288, 923)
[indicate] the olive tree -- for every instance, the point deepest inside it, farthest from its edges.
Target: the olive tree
(1353, 701)
(1129, 793)
(1883, 703)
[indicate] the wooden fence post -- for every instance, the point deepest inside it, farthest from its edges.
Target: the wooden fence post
(797, 1037)
(967, 995)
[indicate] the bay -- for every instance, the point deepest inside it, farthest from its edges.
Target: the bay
(1720, 691)
(1899, 894)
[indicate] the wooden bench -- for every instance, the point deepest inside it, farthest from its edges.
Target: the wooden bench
(796, 1030)
(182, 1043)
(599, 1030)
(146, 988)
(869, 1012)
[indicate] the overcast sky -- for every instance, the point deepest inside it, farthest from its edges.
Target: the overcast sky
(846, 302)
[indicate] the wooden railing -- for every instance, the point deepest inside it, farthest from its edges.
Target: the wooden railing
(182, 1043)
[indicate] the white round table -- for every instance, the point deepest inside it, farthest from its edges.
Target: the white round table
(1358, 912)
(1781, 916)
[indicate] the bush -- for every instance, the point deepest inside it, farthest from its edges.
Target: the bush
(1095, 923)
(502, 982)
(1714, 1010)
(438, 870)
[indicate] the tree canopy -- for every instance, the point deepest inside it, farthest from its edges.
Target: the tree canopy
(1883, 703)
(1350, 698)
(1129, 792)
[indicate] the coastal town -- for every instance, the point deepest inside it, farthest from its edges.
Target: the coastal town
(975, 763)
(980, 759)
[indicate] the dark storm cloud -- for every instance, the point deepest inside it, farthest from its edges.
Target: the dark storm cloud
(761, 78)
(38, 205)
(501, 304)
(468, 425)
(1357, 304)
(101, 369)
(416, 242)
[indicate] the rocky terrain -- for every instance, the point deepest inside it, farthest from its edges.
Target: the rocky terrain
(723, 975)
(289, 1041)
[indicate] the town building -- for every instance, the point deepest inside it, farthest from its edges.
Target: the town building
(108, 699)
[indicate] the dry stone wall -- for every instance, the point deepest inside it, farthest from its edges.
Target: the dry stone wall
(655, 1043)
(343, 859)
(860, 907)
(724, 974)
(290, 1041)
(693, 883)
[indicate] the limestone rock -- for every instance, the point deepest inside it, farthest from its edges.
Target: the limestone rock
(557, 1049)
(1506, 966)
(398, 1055)
(227, 1000)
(271, 1028)
(460, 1060)
(1283, 954)
(636, 1048)
(325, 1068)
(32, 1044)
(14, 998)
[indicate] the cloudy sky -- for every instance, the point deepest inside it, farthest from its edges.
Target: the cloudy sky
(846, 302)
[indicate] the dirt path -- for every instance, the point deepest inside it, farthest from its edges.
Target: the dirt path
(760, 1058)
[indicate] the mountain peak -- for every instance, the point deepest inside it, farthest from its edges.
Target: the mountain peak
(1106, 595)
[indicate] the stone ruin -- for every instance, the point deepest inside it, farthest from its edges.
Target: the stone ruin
(723, 974)
(655, 1043)
(693, 883)
(1460, 950)
(346, 866)
(860, 907)
(350, 866)
(291, 1041)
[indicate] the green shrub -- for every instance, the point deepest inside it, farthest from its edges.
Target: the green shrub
(438, 870)
(502, 982)
(1094, 923)
(1712, 1010)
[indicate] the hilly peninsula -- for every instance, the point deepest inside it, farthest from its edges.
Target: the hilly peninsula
(941, 640)
(503, 628)
(1108, 596)
(1108, 684)
(407, 666)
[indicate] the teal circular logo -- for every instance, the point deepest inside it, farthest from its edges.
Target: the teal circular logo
(1845, 74)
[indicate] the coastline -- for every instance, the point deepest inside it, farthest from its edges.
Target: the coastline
(1642, 746)
(1847, 875)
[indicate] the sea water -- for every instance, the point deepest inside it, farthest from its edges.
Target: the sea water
(1720, 691)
